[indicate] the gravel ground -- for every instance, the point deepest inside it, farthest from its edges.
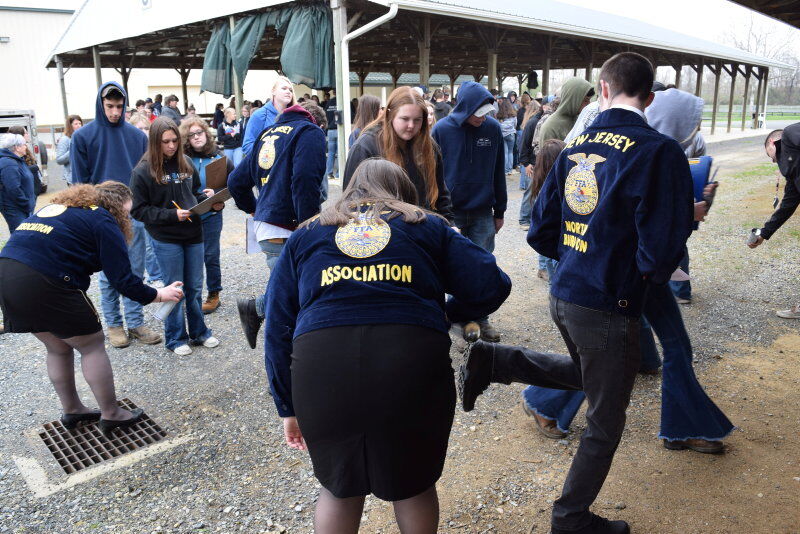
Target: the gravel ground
(233, 474)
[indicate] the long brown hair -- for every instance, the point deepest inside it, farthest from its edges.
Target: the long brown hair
(155, 156)
(68, 131)
(377, 186)
(532, 109)
(209, 148)
(423, 148)
(506, 110)
(545, 159)
(368, 109)
(109, 195)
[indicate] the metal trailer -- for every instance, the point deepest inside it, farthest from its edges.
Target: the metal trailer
(27, 119)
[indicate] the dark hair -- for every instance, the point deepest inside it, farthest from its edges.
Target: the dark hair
(140, 102)
(114, 94)
(772, 136)
(368, 109)
(158, 98)
(438, 94)
(154, 155)
(545, 160)
(506, 110)
(319, 115)
(218, 106)
(210, 148)
(171, 98)
(258, 103)
(377, 186)
(68, 131)
(628, 73)
(315, 98)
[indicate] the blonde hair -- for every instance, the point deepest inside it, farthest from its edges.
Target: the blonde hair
(231, 111)
(275, 85)
(139, 117)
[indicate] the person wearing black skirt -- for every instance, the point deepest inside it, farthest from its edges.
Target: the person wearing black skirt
(357, 350)
(45, 270)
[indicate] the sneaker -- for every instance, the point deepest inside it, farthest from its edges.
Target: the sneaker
(117, 337)
(470, 331)
(680, 300)
(791, 313)
(146, 335)
(212, 302)
(211, 342)
(182, 350)
(251, 322)
(543, 274)
(488, 332)
(525, 226)
(475, 373)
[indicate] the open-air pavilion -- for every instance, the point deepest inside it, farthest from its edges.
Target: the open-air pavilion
(456, 38)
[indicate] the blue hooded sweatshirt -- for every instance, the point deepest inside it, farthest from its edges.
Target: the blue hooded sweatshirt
(264, 117)
(616, 210)
(16, 185)
(287, 164)
(102, 150)
(474, 158)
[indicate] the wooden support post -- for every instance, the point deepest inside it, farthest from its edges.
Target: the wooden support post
(590, 65)
(733, 72)
(237, 88)
(678, 71)
(425, 52)
(698, 86)
(765, 96)
(546, 67)
(97, 73)
(757, 103)
(184, 73)
(717, 70)
(492, 56)
(452, 77)
(747, 71)
(60, 67)
(395, 74)
(362, 76)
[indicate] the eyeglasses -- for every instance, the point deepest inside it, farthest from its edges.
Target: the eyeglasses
(196, 133)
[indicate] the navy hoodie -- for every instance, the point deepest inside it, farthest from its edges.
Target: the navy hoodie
(16, 184)
(70, 244)
(366, 273)
(616, 210)
(103, 150)
(287, 164)
(474, 158)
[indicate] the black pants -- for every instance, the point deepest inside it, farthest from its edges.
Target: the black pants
(604, 358)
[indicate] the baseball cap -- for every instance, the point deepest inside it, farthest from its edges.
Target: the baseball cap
(483, 110)
(107, 89)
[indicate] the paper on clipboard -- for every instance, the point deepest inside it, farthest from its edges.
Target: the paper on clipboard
(205, 206)
(251, 242)
(217, 174)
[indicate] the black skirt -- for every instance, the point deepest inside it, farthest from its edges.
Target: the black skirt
(32, 302)
(375, 405)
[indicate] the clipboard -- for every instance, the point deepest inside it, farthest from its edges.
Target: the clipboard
(251, 241)
(217, 174)
(205, 206)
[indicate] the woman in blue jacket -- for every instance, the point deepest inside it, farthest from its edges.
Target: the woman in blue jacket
(45, 270)
(357, 350)
(17, 196)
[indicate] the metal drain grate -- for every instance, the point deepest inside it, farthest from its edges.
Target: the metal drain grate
(86, 445)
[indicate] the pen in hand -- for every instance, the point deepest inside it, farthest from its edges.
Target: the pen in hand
(176, 205)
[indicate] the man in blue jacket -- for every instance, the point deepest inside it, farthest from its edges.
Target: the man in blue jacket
(17, 195)
(471, 143)
(108, 148)
(616, 211)
(287, 165)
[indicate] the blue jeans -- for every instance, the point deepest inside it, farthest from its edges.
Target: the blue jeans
(272, 252)
(14, 218)
(683, 290)
(508, 142)
(183, 263)
(517, 139)
(526, 205)
(333, 146)
(686, 410)
(476, 227)
(212, 228)
(235, 155)
(150, 261)
(548, 264)
(109, 297)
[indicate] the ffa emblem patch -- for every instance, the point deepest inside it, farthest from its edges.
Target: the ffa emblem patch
(53, 210)
(363, 238)
(266, 156)
(580, 188)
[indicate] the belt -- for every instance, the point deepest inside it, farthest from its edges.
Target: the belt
(277, 240)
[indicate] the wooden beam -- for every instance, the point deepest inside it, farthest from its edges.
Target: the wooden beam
(717, 70)
(733, 72)
(545, 83)
(698, 85)
(760, 78)
(678, 70)
(98, 75)
(747, 70)
(424, 45)
(590, 62)
(492, 63)
(60, 67)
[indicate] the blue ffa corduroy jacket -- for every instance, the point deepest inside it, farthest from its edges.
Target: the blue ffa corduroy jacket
(366, 273)
(103, 150)
(287, 164)
(616, 210)
(71, 244)
(474, 158)
(16, 184)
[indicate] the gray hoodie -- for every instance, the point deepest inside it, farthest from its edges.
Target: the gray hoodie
(677, 114)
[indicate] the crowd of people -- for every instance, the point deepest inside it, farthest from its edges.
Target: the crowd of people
(362, 292)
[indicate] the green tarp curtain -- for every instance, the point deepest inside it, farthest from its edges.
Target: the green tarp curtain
(306, 55)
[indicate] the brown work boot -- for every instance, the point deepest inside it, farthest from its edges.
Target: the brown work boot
(548, 427)
(700, 445)
(146, 335)
(117, 337)
(212, 302)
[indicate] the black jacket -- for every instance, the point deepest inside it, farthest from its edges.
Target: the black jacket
(441, 110)
(229, 134)
(526, 155)
(153, 202)
(787, 152)
(366, 146)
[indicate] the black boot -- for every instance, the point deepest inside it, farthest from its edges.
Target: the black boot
(251, 322)
(599, 525)
(475, 374)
